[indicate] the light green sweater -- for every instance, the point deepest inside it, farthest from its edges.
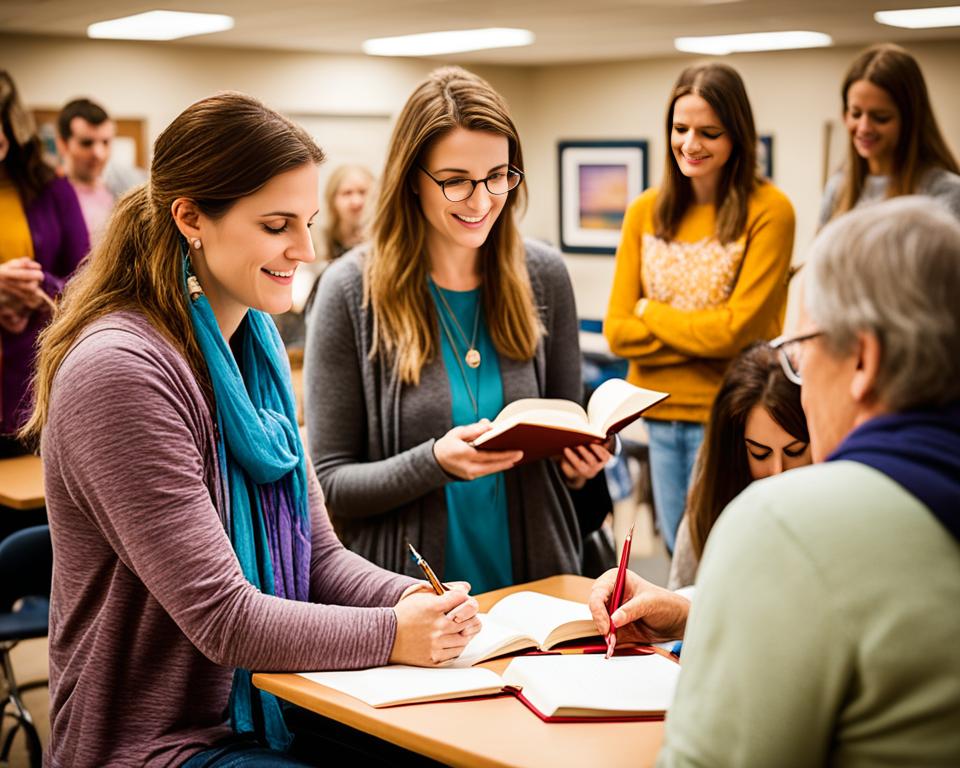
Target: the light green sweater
(825, 630)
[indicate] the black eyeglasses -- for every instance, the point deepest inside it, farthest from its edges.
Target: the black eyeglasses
(458, 189)
(789, 350)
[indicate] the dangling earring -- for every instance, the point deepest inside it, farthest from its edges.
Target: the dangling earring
(197, 244)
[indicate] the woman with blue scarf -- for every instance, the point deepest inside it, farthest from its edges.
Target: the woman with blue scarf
(191, 542)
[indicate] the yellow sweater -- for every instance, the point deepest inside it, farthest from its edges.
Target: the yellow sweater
(15, 239)
(706, 300)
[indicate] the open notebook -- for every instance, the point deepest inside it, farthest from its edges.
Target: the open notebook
(557, 688)
(527, 620)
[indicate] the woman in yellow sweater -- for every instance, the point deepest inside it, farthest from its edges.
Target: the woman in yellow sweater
(701, 271)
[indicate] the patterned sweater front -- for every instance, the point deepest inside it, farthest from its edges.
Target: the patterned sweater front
(707, 300)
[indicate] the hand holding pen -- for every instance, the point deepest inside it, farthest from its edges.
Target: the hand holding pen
(616, 598)
(432, 627)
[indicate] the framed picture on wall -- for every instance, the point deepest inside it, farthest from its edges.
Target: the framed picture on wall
(598, 180)
(765, 156)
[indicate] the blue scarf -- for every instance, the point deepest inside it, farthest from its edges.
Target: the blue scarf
(262, 463)
(920, 451)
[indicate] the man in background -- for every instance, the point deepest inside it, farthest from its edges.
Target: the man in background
(85, 134)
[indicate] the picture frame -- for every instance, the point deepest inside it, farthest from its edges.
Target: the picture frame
(598, 180)
(765, 156)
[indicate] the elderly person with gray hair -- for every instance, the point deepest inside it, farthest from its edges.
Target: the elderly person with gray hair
(826, 622)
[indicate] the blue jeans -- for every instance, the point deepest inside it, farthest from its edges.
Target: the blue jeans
(242, 752)
(673, 451)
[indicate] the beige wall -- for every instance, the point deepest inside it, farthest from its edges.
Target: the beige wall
(793, 94)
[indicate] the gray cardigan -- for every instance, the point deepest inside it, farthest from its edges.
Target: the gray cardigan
(371, 438)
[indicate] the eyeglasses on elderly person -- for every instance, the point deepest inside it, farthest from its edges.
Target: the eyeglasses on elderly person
(790, 353)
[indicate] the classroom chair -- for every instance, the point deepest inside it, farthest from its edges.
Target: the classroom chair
(26, 567)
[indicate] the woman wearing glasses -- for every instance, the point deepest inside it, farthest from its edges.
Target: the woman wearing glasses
(701, 271)
(413, 341)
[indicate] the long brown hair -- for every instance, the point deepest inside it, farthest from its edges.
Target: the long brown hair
(754, 378)
(396, 270)
(331, 230)
(24, 162)
(216, 151)
(722, 88)
(920, 146)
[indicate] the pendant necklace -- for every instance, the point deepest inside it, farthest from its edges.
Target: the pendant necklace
(463, 371)
(472, 357)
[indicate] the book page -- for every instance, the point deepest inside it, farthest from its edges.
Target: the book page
(400, 684)
(540, 616)
(617, 400)
(539, 407)
(494, 639)
(592, 686)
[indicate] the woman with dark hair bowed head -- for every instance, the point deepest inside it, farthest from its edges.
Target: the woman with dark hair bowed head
(417, 340)
(896, 147)
(191, 543)
(701, 271)
(756, 429)
(42, 240)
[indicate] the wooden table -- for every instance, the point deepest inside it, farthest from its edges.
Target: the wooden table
(492, 733)
(21, 482)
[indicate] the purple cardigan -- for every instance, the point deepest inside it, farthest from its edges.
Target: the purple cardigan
(60, 242)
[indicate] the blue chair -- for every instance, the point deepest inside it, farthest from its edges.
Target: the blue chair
(26, 567)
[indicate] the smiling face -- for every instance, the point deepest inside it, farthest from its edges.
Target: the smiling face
(770, 448)
(873, 122)
(461, 228)
(249, 255)
(700, 142)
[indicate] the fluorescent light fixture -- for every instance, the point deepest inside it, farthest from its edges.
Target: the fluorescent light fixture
(720, 45)
(920, 18)
(160, 25)
(454, 41)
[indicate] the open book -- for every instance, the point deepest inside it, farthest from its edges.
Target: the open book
(543, 427)
(556, 688)
(526, 620)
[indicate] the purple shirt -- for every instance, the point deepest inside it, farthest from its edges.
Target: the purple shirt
(59, 243)
(150, 611)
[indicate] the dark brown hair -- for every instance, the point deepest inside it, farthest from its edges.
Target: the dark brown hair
(722, 472)
(85, 109)
(395, 272)
(920, 146)
(24, 162)
(722, 88)
(215, 152)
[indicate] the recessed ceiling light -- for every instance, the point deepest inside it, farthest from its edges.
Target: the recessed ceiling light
(454, 41)
(720, 45)
(921, 18)
(160, 25)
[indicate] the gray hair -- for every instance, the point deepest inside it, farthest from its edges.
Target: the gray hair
(893, 269)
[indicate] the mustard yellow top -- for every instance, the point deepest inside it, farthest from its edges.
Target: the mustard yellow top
(705, 300)
(15, 239)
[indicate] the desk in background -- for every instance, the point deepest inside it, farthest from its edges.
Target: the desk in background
(21, 482)
(493, 733)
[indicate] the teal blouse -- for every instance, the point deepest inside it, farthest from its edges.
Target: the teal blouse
(478, 537)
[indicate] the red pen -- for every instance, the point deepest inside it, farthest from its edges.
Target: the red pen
(617, 597)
